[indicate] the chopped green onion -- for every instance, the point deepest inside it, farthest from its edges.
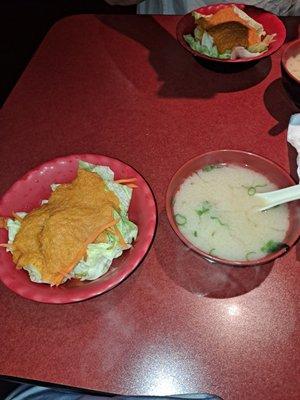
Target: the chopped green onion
(211, 250)
(272, 246)
(256, 186)
(180, 219)
(201, 212)
(251, 191)
(208, 168)
(218, 220)
(195, 233)
(213, 233)
(247, 255)
(206, 206)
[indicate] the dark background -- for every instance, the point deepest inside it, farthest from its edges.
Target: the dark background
(23, 25)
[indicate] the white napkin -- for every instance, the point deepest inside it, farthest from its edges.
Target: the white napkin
(293, 136)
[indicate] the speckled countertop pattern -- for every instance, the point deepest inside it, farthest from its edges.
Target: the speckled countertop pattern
(123, 87)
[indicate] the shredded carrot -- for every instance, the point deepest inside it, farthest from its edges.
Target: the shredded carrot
(17, 260)
(82, 252)
(16, 216)
(129, 180)
(119, 235)
(4, 245)
(132, 185)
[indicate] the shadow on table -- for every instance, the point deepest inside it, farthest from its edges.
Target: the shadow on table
(181, 75)
(292, 27)
(279, 106)
(190, 271)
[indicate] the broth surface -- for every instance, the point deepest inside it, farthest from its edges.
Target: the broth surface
(216, 210)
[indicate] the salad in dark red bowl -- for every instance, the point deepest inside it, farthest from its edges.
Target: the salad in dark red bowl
(230, 33)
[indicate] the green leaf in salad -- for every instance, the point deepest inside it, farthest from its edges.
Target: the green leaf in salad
(105, 172)
(13, 226)
(226, 55)
(99, 255)
(205, 46)
(98, 260)
(257, 48)
(198, 33)
(207, 41)
(196, 15)
(263, 45)
(123, 192)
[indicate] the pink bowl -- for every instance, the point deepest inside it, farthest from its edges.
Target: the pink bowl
(27, 194)
(290, 82)
(271, 23)
(257, 163)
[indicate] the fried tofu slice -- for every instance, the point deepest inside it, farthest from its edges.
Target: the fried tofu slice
(229, 35)
(231, 27)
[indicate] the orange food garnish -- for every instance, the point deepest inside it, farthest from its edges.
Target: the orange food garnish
(229, 30)
(55, 236)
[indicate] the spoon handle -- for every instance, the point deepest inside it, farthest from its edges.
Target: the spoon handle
(280, 196)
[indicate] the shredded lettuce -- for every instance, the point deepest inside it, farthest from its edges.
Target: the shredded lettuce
(105, 172)
(207, 41)
(98, 260)
(99, 255)
(54, 186)
(257, 48)
(198, 33)
(128, 229)
(13, 225)
(123, 192)
(206, 46)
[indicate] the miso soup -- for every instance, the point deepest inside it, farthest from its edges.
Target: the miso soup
(217, 211)
(293, 65)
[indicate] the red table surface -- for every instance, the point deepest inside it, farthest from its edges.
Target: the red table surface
(123, 87)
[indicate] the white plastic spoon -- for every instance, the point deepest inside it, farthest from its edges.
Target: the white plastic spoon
(272, 199)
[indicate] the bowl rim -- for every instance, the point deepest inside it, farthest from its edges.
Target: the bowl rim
(284, 59)
(238, 263)
(180, 39)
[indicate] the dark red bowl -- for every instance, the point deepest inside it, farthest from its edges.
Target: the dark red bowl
(257, 163)
(290, 82)
(271, 23)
